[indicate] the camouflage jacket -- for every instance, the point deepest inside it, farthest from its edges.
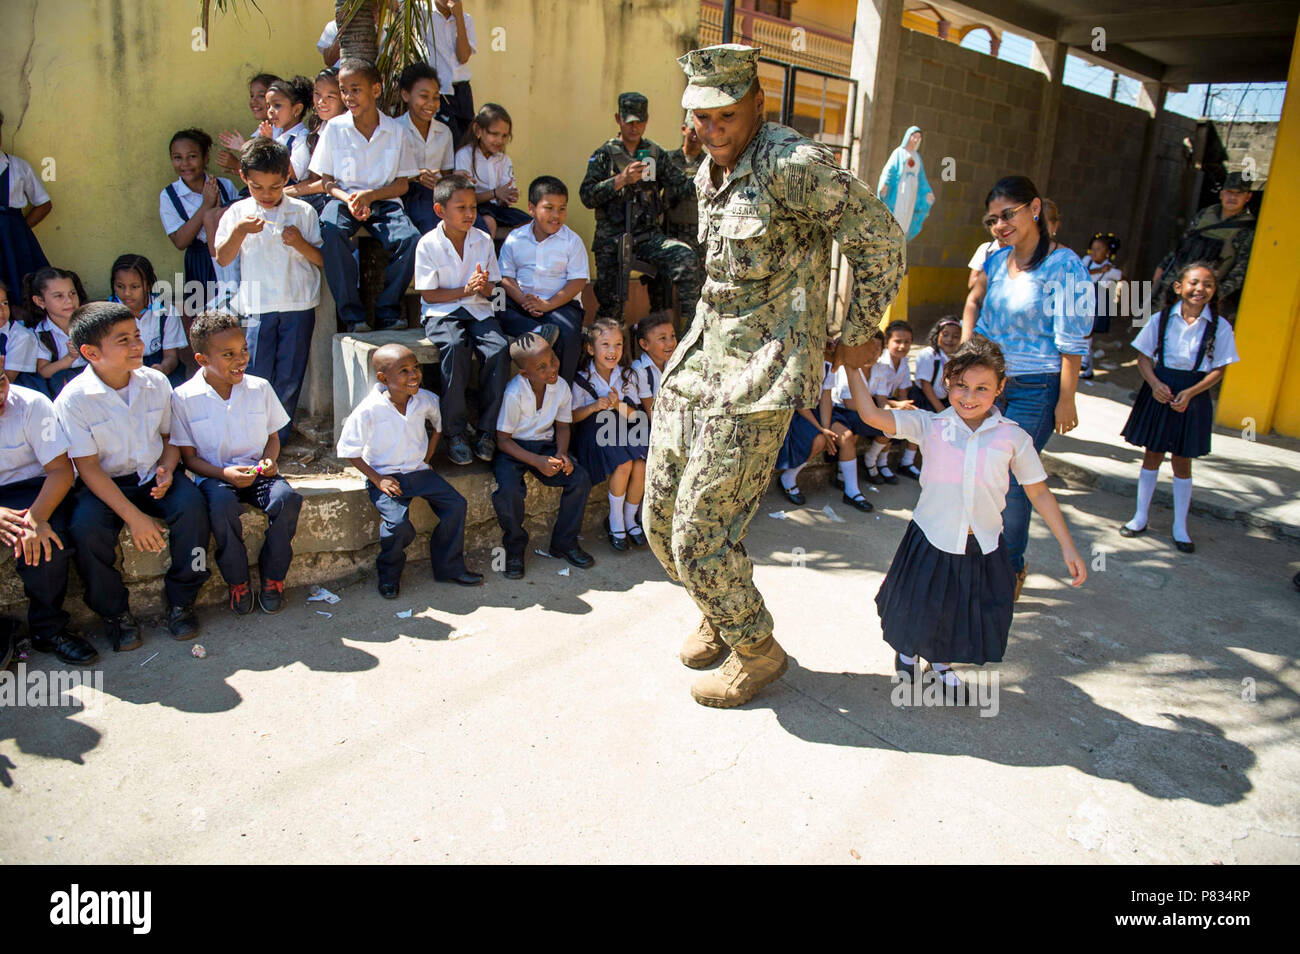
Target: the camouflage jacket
(757, 339)
(685, 211)
(648, 198)
(1232, 237)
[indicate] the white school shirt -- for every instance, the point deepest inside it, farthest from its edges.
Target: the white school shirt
(160, 327)
(434, 152)
(61, 338)
(623, 388)
(522, 419)
(648, 376)
(984, 251)
(886, 379)
(1182, 341)
(190, 202)
(965, 474)
(487, 172)
(273, 276)
(438, 265)
(840, 393)
(543, 268)
(358, 163)
(328, 36)
(125, 434)
(386, 439)
(20, 346)
(225, 433)
(926, 370)
(30, 435)
(24, 188)
(441, 43)
(295, 140)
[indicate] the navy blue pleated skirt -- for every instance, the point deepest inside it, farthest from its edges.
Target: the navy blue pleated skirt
(798, 443)
(506, 215)
(20, 252)
(601, 458)
(853, 421)
(1158, 427)
(918, 398)
(199, 268)
(945, 607)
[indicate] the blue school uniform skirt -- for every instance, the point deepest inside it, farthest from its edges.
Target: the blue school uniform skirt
(20, 253)
(506, 215)
(945, 607)
(1158, 427)
(177, 376)
(851, 419)
(917, 397)
(798, 443)
(600, 459)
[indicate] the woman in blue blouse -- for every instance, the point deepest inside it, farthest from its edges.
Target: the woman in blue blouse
(1037, 306)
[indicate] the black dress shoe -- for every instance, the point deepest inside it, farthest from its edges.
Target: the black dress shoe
(271, 596)
(182, 622)
(860, 502)
(1185, 546)
(575, 555)
(485, 447)
(905, 670)
(458, 450)
(241, 599)
(391, 324)
(619, 543)
(636, 537)
(794, 495)
(910, 471)
(123, 632)
(1126, 531)
(952, 695)
(468, 578)
(69, 647)
(514, 568)
(873, 476)
(889, 478)
(389, 591)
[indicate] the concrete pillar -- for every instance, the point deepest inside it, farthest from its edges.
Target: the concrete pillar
(1152, 96)
(1259, 392)
(1049, 56)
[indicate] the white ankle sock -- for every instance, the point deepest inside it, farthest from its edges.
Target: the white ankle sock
(946, 674)
(906, 660)
(909, 455)
(849, 471)
(629, 514)
(1182, 503)
(616, 515)
(790, 478)
(884, 467)
(1146, 490)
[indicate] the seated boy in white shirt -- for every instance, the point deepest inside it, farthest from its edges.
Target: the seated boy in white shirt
(226, 422)
(455, 274)
(385, 438)
(543, 271)
(533, 435)
(35, 477)
(117, 415)
(365, 161)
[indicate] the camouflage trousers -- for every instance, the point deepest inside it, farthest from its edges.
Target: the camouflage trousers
(688, 232)
(675, 260)
(704, 481)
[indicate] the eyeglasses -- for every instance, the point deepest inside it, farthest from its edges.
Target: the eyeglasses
(1006, 215)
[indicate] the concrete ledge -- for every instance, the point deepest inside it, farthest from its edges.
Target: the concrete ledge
(353, 376)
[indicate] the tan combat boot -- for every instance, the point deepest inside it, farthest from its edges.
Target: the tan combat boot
(747, 670)
(702, 647)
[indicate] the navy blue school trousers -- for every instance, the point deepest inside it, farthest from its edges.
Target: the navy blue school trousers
(459, 335)
(279, 343)
(568, 318)
(95, 530)
(391, 227)
(446, 543)
(275, 498)
(46, 583)
(508, 500)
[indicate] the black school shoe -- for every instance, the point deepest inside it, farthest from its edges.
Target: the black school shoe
(182, 622)
(860, 502)
(910, 471)
(458, 450)
(389, 591)
(873, 477)
(575, 555)
(905, 670)
(952, 695)
(889, 478)
(793, 494)
(1126, 531)
(123, 633)
(241, 599)
(468, 578)
(485, 447)
(637, 537)
(391, 324)
(271, 596)
(1185, 546)
(514, 567)
(69, 647)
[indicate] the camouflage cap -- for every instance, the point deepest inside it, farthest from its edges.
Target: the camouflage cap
(1236, 182)
(633, 107)
(718, 76)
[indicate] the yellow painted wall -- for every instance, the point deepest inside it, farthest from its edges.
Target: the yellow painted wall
(1264, 385)
(109, 81)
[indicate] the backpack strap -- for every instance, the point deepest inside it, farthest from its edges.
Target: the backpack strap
(1207, 340)
(583, 382)
(176, 203)
(4, 185)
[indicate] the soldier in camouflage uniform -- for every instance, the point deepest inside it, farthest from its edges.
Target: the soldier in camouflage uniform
(615, 174)
(771, 203)
(682, 221)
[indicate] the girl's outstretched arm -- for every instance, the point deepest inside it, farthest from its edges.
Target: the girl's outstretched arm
(1045, 503)
(866, 406)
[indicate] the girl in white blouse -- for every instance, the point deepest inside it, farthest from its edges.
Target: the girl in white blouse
(949, 593)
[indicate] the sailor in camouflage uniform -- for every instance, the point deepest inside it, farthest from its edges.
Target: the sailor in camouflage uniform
(771, 203)
(614, 175)
(682, 220)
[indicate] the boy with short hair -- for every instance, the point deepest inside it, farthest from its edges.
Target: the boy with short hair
(543, 270)
(35, 477)
(657, 340)
(277, 240)
(455, 272)
(533, 435)
(117, 415)
(365, 160)
(226, 423)
(384, 437)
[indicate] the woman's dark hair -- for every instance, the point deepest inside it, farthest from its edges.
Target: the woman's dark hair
(196, 136)
(138, 264)
(1171, 296)
(978, 352)
(35, 283)
(298, 90)
(1019, 190)
(594, 331)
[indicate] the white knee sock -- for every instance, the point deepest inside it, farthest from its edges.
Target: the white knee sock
(1182, 503)
(790, 478)
(1146, 490)
(629, 515)
(871, 453)
(849, 471)
(909, 455)
(616, 515)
